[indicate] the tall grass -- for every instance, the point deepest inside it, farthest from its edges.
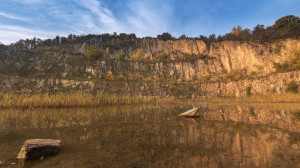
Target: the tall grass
(25, 100)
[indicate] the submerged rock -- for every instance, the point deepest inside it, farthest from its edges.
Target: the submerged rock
(37, 148)
(190, 113)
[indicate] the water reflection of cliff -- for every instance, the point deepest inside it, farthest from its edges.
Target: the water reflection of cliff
(269, 115)
(157, 138)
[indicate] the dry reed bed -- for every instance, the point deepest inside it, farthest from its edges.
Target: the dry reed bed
(24, 100)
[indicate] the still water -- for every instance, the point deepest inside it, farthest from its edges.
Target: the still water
(154, 136)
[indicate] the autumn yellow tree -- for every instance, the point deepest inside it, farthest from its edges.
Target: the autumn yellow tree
(137, 56)
(237, 30)
(107, 50)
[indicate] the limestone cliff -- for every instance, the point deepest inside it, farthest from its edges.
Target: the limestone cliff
(223, 57)
(188, 63)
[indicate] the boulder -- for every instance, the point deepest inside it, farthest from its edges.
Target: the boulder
(37, 148)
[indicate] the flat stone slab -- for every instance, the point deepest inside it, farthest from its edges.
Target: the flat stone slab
(37, 148)
(190, 113)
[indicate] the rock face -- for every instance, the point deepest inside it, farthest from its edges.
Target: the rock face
(37, 148)
(275, 83)
(235, 56)
(201, 76)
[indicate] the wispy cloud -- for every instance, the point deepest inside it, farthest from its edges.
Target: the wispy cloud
(105, 15)
(14, 17)
(148, 20)
(99, 18)
(9, 34)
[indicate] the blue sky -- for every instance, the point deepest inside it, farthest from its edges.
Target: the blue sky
(21, 19)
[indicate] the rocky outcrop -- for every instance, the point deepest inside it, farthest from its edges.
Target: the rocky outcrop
(236, 56)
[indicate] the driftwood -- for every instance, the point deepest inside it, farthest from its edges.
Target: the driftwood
(39, 148)
(190, 113)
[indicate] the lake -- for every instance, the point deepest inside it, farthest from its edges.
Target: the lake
(232, 135)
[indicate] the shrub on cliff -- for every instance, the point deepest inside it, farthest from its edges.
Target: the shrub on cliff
(192, 57)
(121, 56)
(120, 77)
(47, 49)
(179, 80)
(176, 91)
(206, 76)
(165, 58)
(293, 63)
(236, 75)
(137, 56)
(109, 76)
(93, 53)
(295, 59)
(292, 87)
(248, 91)
(134, 78)
(280, 67)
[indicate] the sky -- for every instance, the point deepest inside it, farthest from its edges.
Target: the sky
(21, 19)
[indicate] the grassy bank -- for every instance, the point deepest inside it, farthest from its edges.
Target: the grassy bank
(268, 98)
(23, 100)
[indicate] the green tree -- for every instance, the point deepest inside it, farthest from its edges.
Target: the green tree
(183, 36)
(165, 36)
(286, 26)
